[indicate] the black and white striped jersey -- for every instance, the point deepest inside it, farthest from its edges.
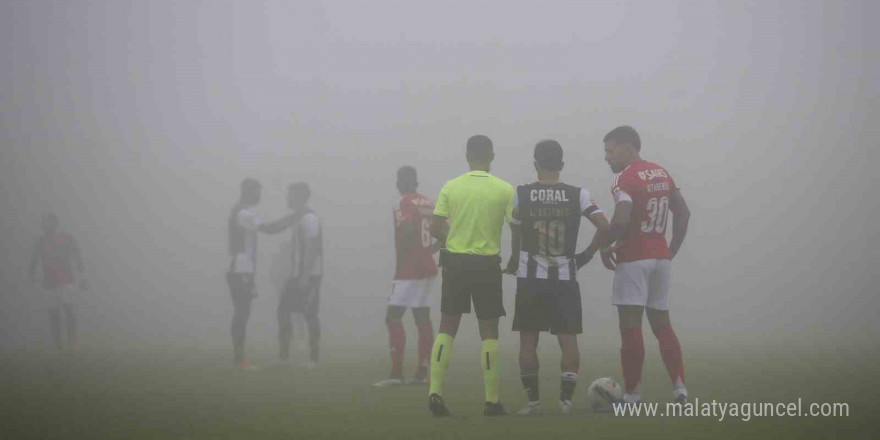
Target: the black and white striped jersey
(550, 217)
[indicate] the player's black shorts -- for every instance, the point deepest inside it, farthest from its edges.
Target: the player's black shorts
(293, 299)
(472, 277)
(241, 287)
(548, 305)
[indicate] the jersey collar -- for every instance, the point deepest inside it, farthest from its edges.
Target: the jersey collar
(478, 173)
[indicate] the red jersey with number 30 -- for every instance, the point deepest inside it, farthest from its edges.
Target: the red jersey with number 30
(417, 261)
(648, 186)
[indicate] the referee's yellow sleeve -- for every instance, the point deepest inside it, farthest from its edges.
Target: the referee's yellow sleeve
(441, 208)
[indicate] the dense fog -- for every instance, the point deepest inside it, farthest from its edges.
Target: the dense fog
(135, 122)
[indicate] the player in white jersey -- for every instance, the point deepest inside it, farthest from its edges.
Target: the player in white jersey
(302, 294)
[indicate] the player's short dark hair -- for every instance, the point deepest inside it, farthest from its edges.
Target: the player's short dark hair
(301, 189)
(479, 147)
(548, 155)
(624, 135)
(407, 173)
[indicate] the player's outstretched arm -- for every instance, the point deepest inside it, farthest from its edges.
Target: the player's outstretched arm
(598, 220)
(681, 216)
(280, 225)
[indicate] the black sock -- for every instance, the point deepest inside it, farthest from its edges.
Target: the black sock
(530, 384)
(569, 382)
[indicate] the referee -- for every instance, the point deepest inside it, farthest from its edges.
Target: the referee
(476, 206)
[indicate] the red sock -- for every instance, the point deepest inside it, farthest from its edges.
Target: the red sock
(670, 350)
(397, 340)
(632, 355)
(426, 343)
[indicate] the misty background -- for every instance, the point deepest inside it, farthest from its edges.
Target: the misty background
(136, 121)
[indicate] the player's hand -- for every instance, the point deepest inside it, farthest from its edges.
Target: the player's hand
(609, 259)
(512, 266)
(582, 259)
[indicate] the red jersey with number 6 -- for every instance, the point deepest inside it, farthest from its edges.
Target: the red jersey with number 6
(647, 185)
(416, 261)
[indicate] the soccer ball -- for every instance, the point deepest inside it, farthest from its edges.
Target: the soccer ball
(603, 392)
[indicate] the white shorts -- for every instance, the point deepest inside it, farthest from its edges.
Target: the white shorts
(411, 293)
(64, 295)
(642, 283)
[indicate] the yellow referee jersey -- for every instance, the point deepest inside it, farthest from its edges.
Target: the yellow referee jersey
(477, 205)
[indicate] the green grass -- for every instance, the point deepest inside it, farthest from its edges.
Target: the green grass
(180, 393)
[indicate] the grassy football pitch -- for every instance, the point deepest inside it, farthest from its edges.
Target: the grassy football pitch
(180, 393)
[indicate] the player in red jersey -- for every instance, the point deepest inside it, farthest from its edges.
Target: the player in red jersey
(59, 254)
(644, 195)
(413, 278)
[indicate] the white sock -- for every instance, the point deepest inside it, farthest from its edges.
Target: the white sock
(679, 390)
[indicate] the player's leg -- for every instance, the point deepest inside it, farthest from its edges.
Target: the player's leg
(422, 318)
(70, 319)
(441, 352)
(489, 308)
(241, 289)
(658, 317)
(570, 364)
(55, 324)
(566, 325)
(529, 320)
(284, 314)
(312, 321)
(300, 332)
(632, 350)
(397, 344)
(528, 370)
(670, 350)
(630, 295)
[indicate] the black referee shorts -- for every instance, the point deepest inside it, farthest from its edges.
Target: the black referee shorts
(548, 305)
(474, 278)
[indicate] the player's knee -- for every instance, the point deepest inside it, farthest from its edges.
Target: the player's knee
(659, 320)
(422, 316)
(394, 314)
(630, 316)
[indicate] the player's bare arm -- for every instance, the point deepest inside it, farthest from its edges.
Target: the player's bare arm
(515, 244)
(681, 215)
(619, 223)
(280, 225)
(598, 220)
(439, 229)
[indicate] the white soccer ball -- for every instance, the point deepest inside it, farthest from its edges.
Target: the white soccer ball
(603, 392)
